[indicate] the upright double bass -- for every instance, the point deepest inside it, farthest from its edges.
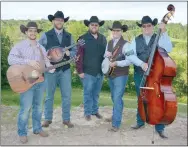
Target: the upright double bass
(157, 103)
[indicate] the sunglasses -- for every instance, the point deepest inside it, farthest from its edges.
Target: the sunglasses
(146, 26)
(96, 25)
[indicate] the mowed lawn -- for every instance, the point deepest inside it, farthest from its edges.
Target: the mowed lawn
(10, 98)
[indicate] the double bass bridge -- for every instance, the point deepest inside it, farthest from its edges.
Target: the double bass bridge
(148, 88)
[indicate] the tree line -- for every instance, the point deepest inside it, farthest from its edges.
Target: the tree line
(11, 34)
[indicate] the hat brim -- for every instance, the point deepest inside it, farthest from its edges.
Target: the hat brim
(124, 28)
(51, 17)
(87, 22)
(154, 23)
(23, 29)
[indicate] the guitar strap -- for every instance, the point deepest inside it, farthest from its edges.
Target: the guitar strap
(115, 52)
(42, 62)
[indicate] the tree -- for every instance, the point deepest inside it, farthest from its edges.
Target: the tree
(6, 44)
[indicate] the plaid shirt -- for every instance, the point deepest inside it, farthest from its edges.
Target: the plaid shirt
(23, 52)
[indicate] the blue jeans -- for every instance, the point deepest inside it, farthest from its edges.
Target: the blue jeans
(137, 81)
(32, 98)
(117, 88)
(64, 81)
(92, 86)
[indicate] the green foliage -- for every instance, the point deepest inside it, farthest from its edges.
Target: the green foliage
(5, 48)
(178, 33)
(179, 55)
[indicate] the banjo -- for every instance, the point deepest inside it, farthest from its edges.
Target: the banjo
(106, 68)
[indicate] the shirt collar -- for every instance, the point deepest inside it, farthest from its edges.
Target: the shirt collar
(116, 40)
(29, 44)
(148, 36)
(58, 32)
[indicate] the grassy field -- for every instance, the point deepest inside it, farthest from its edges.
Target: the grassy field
(10, 98)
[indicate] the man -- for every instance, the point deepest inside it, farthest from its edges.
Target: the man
(117, 80)
(29, 52)
(89, 66)
(57, 36)
(138, 54)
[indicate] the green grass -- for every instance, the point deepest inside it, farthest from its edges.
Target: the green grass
(10, 98)
(177, 40)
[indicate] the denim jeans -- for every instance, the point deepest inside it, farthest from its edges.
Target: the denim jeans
(117, 88)
(32, 98)
(137, 80)
(63, 79)
(92, 86)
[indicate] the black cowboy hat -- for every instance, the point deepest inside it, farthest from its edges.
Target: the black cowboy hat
(30, 24)
(58, 14)
(95, 20)
(147, 19)
(118, 25)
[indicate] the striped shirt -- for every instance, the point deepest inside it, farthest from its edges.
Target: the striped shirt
(24, 52)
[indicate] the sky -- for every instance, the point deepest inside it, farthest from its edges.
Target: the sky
(84, 10)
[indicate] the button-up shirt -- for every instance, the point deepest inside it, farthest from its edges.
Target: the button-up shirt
(24, 52)
(125, 47)
(164, 42)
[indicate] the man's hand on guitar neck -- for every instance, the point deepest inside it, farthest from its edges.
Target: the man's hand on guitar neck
(144, 66)
(108, 54)
(67, 52)
(48, 65)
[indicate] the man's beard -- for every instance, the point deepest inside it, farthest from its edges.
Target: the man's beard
(58, 28)
(94, 33)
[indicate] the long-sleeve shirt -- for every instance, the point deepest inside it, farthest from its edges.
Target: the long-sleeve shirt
(125, 47)
(43, 41)
(24, 52)
(164, 42)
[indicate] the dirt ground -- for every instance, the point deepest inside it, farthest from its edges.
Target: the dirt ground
(94, 132)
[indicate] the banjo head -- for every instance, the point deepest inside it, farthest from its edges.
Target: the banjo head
(105, 66)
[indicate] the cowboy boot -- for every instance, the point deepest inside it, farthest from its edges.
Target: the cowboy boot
(162, 135)
(46, 123)
(42, 134)
(23, 139)
(68, 124)
(136, 126)
(88, 117)
(98, 115)
(108, 119)
(113, 129)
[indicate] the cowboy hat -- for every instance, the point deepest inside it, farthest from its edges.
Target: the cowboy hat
(93, 19)
(58, 14)
(30, 24)
(118, 25)
(147, 19)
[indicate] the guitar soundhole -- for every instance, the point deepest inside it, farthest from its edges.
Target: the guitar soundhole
(32, 80)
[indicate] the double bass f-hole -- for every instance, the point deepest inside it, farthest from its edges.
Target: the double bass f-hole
(156, 87)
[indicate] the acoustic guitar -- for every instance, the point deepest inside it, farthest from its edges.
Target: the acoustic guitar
(23, 77)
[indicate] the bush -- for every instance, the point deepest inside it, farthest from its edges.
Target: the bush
(6, 44)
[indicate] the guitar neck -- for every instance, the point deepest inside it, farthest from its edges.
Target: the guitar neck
(58, 65)
(67, 48)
